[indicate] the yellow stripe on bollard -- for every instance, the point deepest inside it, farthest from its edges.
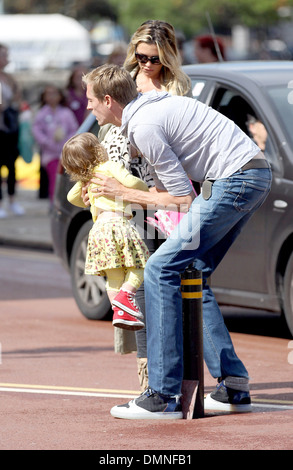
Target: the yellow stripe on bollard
(191, 295)
(191, 282)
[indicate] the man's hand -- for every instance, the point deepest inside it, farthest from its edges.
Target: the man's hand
(107, 186)
(110, 187)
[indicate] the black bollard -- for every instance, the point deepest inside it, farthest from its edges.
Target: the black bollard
(193, 379)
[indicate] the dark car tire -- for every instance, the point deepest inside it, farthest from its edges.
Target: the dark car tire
(89, 291)
(288, 294)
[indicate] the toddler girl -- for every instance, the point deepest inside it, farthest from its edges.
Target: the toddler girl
(115, 249)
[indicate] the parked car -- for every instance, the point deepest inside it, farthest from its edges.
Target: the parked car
(257, 272)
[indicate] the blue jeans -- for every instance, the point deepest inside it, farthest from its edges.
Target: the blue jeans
(217, 221)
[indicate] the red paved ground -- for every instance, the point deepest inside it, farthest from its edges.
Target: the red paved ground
(48, 343)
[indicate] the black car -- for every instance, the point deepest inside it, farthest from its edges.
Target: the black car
(257, 272)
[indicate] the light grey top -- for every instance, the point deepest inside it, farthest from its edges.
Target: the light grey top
(182, 139)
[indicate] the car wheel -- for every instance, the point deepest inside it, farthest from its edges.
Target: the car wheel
(89, 291)
(288, 294)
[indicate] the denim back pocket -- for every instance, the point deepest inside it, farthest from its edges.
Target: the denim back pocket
(250, 196)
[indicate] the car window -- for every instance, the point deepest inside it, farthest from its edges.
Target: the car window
(283, 102)
(234, 106)
(197, 87)
(229, 102)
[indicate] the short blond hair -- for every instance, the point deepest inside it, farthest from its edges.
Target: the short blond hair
(80, 154)
(112, 80)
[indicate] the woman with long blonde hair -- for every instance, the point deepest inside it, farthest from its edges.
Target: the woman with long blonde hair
(154, 61)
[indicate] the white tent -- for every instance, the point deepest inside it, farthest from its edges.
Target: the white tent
(44, 41)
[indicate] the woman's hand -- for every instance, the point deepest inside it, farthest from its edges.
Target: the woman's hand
(84, 195)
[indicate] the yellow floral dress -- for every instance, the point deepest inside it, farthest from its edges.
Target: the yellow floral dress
(113, 242)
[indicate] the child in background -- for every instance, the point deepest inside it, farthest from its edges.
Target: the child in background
(115, 249)
(76, 98)
(54, 123)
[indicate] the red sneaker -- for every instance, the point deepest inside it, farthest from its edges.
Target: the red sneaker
(126, 301)
(124, 320)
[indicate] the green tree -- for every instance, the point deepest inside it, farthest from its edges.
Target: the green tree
(190, 15)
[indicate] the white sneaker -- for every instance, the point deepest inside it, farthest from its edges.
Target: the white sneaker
(16, 209)
(226, 399)
(3, 213)
(149, 405)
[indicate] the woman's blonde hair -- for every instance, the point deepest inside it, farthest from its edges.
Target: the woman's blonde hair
(80, 154)
(163, 35)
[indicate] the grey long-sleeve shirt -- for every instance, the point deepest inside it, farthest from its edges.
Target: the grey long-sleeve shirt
(182, 139)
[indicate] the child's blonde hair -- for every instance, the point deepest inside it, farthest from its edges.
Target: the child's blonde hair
(80, 154)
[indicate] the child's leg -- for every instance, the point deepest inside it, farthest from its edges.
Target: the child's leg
(122, 317)
(115, 280)
(133, 279)
(128, 311)
(126, 297)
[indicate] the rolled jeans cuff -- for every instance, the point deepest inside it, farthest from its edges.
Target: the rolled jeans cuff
(237, 383)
